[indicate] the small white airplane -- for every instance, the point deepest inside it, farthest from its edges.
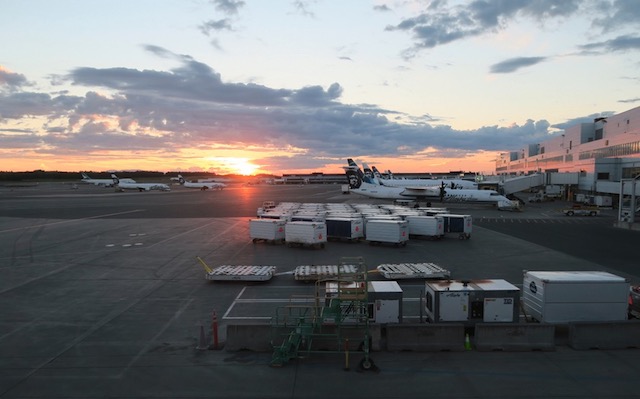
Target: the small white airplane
(360, 183)
(391, 182)
(103, 182)
(201, 185)
(122, 185)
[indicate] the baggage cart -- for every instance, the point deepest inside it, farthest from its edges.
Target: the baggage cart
(347, 228)
(460, 225)
(312, 234)
(426, 226)
(269, 230)
(387, 231)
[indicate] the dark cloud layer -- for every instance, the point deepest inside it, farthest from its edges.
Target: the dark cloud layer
(191, 104)
(440, 24)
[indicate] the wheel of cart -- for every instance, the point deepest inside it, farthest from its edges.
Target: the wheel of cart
(593, 213)
(367, 364)
(464, 236)
(570, 213)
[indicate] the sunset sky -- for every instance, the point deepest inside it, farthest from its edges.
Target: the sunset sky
(252, 86)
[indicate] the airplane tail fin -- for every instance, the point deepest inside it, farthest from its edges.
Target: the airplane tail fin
(115, 179)
(355, 176)
(181, 179)
(369, 177)
(85, 176)
(376, 173)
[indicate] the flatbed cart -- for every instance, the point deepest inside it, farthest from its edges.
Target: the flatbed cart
(399, 271)
(238, 273)
(322, 272)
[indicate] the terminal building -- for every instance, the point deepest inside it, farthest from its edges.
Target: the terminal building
(601, 157)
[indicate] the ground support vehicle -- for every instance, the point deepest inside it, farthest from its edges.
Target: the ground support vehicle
(581, 210)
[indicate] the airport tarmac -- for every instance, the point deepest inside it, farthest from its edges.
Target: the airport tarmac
(101, 295)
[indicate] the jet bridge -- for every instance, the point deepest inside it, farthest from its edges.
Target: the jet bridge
(521, 183)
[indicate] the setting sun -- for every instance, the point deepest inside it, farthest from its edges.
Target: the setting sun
(245, 167)
(241, 166)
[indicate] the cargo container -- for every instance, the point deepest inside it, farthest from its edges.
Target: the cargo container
(312, 234)
(461, 225)
(568, 296)
(387, 231)
(470, 302)
(347, 228)
(426, 226)
(385, 302)
(270, 230)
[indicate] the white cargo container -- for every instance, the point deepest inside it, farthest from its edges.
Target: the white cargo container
(306, 233)
(271, 230)
(470, 302)
(387, 231)
(426, 226)
(386, 298)
(568, 296)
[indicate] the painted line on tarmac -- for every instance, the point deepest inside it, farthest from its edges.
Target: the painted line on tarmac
(154, 339)
(222, 233)
(71, 220)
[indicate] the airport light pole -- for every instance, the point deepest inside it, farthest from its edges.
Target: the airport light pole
(627, 213)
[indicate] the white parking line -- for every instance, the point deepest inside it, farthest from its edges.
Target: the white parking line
(70, 221)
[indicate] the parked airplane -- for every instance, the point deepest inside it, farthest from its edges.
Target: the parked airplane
(361, 184)
(393, 182)
(201, 185)
(122, 185)
(103, 182)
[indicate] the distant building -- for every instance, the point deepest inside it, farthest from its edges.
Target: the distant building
(601, 153)
(312, 178)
